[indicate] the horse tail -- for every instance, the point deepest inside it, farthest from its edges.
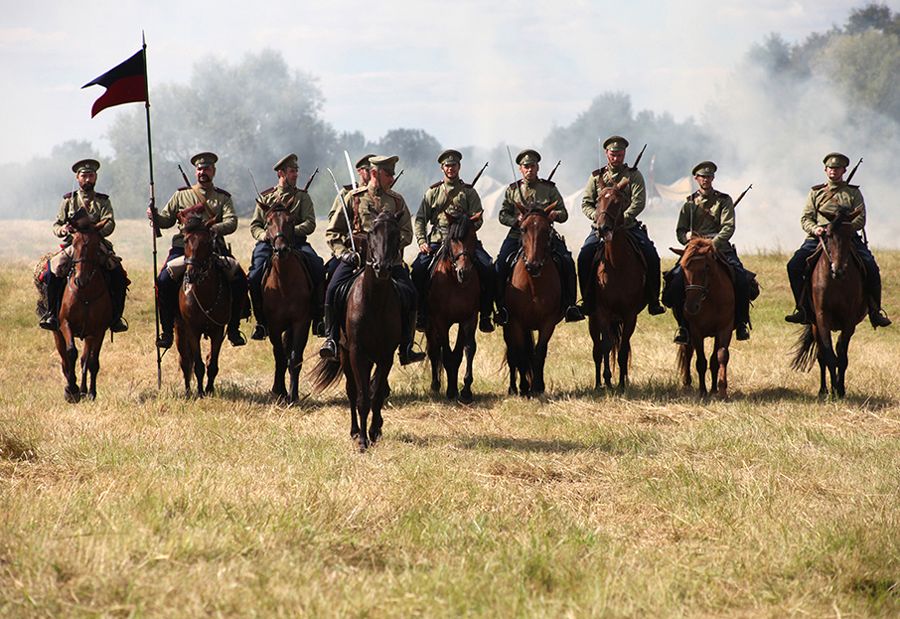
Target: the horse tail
(684, 359)
(805, 351)
(528, 359)
(325, 373)
(615, 335)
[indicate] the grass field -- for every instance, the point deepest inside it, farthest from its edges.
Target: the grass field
(649, 504)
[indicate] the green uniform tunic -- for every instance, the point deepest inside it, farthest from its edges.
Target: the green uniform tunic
(365, 204)
(541, 193)
(634, 192)
(299, 204)
(710, 216)
(98, 207)
(826, 199)
(218, 205)
(453, 197)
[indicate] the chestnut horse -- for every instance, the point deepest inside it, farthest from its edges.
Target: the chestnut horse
(838, 304)
(708, 312)
(85, 311)
(533, 300)
(453, 295)
(204, 303)
(371, 334)
(287, 298)
(619, 288)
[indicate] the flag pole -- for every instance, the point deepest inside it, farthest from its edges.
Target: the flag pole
(153, 227)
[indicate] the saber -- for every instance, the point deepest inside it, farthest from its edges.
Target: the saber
(350, 170)
(253, 180)
(515, 180)
(337, 188)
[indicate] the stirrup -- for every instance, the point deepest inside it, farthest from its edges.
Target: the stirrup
(407, 355)
(49, 322)
(328, 349)
(656, 309)
(574, 314)
(681, 336)
(164, 340)
(879, 318)
(501, 316)
(742, 332)
(797, 318)
(119, 326)
(236, 337)
(484, 323)
(260, 333)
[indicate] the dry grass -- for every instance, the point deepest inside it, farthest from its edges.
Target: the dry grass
(144, 503)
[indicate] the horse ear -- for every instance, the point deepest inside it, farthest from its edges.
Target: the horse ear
(476, 216)
(622, 184)
(679, 252)
(549, 208)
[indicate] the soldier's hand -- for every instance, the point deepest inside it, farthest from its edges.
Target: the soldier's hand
(350, 258)
(819, 231)
(424, 248)
(149, 213)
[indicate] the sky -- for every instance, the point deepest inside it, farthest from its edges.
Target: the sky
(469, 73)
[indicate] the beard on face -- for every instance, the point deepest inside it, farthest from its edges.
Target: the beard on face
(203, 178)
(88, 187)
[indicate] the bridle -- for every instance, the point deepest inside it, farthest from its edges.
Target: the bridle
(537, 266)
(703, 288)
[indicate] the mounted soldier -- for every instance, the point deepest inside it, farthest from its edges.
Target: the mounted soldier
(218, 206)
(539, 193)
(300, 205)
(608, 176)
(709, 213)
(364, 204)
(97, 207)
(444, 199)
(363, 171)
(822, 204)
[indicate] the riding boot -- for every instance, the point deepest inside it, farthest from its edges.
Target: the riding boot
(407, 334)
(55, 288)
(318, 310)
(742, 311)
(486, 307)
(654, 308)
(118, 285)
(238, 300)
(569, 291)
(681, 333)
(501, 317)
(332, 327)
(422, 314)
(586, 282)
(798, 317)
(166, 317)
(260, 332)
(877, 316)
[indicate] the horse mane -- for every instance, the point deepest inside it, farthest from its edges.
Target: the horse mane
(459, 228)
(194, 223)
(697, 246)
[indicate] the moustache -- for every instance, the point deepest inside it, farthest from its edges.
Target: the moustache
(203, 178)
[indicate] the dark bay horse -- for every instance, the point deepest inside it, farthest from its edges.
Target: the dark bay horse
(287, 299)
(453, 296)
(619, 288)
(838, 303)
(371, 334)
(708, 312)
(85, 311)
(533, 300)
(204, 303)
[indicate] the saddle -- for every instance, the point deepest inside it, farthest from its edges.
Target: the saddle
(303, 263)
(405, 292)
(806, 295)
(598, 255)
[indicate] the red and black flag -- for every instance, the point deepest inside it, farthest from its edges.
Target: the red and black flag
(125, 83)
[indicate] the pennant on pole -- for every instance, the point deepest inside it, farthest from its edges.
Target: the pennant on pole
(125, 83)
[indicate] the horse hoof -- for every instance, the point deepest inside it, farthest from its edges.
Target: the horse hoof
(435, 387)
(72, 397)
(465, 397)
(512, 391)
(452, 395)
(374, 436)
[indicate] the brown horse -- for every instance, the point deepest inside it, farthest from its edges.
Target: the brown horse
(533, 302)
(619, 288)
(453, 295)
(371, 334)
(85, 311)
(838, 303)
(287, 297)
(204, 303)
(708, 312)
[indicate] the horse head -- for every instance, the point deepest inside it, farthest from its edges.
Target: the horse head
(459, 244)
(535, 224)
(384, 243)
(696, 261)
(280, 228)
(610, 213)
(85, 247)
(198, 244)
(837, 239)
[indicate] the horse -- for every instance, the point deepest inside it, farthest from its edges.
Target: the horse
(838, 304)
(708, 312)
(85, 311)
(371, 334)
(287, 298)
(619, 288)
(204, 303)
(533, 300)
(453, 296)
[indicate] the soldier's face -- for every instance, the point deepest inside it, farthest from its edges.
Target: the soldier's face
(364, 175)
(86, 180)
(290, 175)
(205, 173)
(835, 174)
(705, 182)
(451, 171)
(529, 171)
(615, 157)
(383, 177)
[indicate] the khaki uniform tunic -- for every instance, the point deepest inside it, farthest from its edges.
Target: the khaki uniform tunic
(453, 197)
(365, 204)
(299, 204)
(827, 198)
(710, 216)
(218, 205)
(635, 192)
(542, 193)
(97, 206)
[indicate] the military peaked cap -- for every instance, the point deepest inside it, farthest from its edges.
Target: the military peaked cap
(615, 142)
(836, 160)
(528, 156)
(705, 168)
(383, 162)
(449, 157)
(364, 161)
(288, 161)
(86, 165)
(204, 160)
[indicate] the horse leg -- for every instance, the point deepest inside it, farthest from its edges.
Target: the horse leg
(68, 355)
(605, 352)
(185, 357)
(362, 373)
(827, 356)
(350, 385)
(199, 367)
(380, 391)
(295, 358)
(433, 347)
(697, 343)
(278, 353)
(511, 358)
(212, 361)
(91, 359)
(540, 356)
(625, 350)
(843, 346)
(714, 367)
(465, 396)
(722, 356)
(596, 339)
(452, 358)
